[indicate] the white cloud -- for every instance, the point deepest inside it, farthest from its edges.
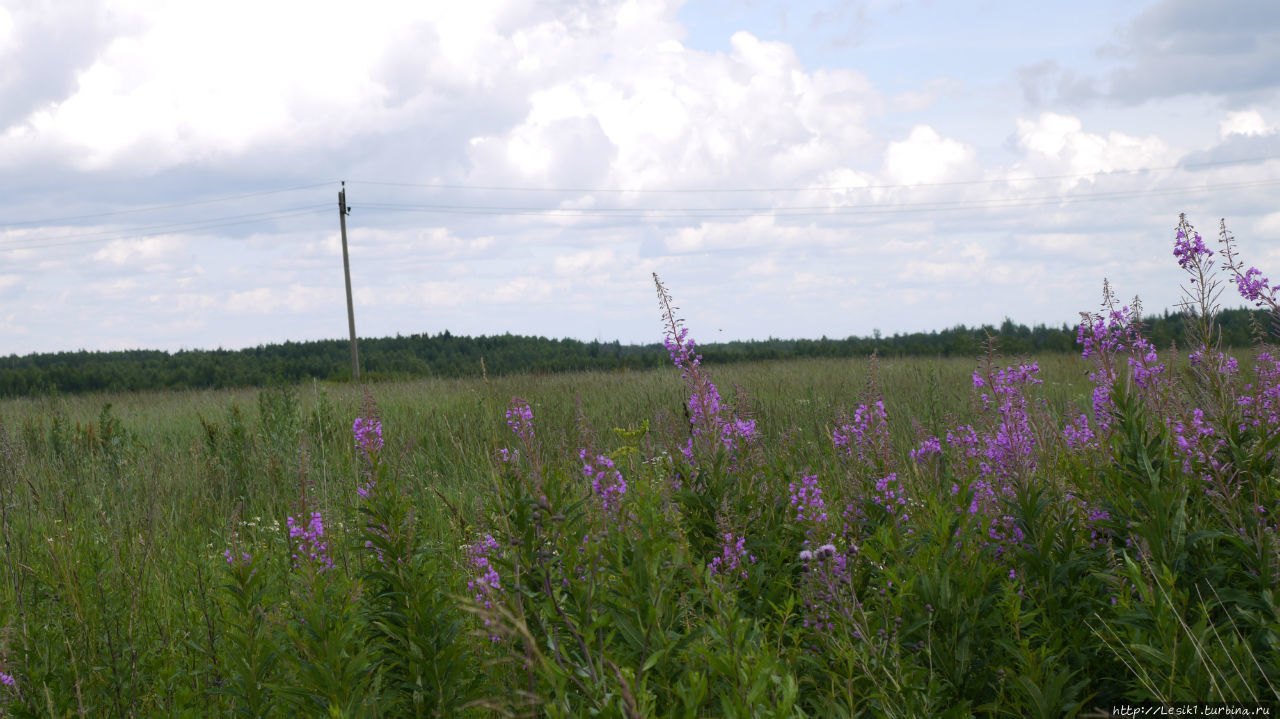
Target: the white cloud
(1245, 122)
(1062, 141)
(148, 250)
(270, 300)
(925, 156)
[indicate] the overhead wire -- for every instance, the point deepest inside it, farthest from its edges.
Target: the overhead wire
(212, 223)
(809, 210)
(638, 213)
(817, 188)
(176, 225)
(151, 208)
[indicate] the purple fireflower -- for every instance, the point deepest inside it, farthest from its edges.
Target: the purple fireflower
(1196, 443)
(1254, 287)
(1190, 249)
(367, 432)
(889, 494)
(865, 437)
(486, 585)
(606, 481)
(368, 435)
(709, 418)
(1103, 341)
(733, 557)
(311, 546)
(233, 560)
(931, 446)
(7, 679)
(1078, 434)
(520, 419)
(1260, 401)
(806, 498)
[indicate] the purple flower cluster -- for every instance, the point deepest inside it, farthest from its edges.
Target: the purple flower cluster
(311, 545)
(1009, 449)
(1190, 249)
(367, 432)
(520, 419)
(1104, 340)
(368, 435)
(890, 496)
(1077, 434)
(929, 447)
(733, 557)
(606, 481)
(1195, 444)
(865, 437)
(486, 586)
(681, 349)
(708, 416)
(1260, 402)
(8, 679)
(1255, 288)
(233, 560)
(1093, 518)
(806, 498)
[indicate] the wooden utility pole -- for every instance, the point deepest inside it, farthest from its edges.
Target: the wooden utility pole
(343, 211)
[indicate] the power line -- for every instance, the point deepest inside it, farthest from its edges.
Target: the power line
(128, 235)
(832, 188)
(152, 208)
(809, 210)
(169, 225)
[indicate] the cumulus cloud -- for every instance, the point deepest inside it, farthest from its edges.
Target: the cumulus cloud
(925, 156)
(1061, 142)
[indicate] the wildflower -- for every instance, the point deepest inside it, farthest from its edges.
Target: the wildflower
(520, 419)
(368, 434)
(1189, 248)
(7, 679)
(1078, 434)
(1254, 287)
(807, 499)
(232, 559)
(866, 436)
(311, 545)
(930, 446)
(733, 557)
(486, 585)
(805, 555)
(606, 481)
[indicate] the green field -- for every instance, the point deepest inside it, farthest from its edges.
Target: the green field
(119, 598)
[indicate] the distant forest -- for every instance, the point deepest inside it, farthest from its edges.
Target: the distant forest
(447, 355)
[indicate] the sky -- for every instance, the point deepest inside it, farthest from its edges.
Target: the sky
(169, 172)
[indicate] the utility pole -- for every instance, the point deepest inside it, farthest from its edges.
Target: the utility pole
(343, 211)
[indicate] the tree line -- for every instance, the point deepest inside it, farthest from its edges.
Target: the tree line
(448, 355)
